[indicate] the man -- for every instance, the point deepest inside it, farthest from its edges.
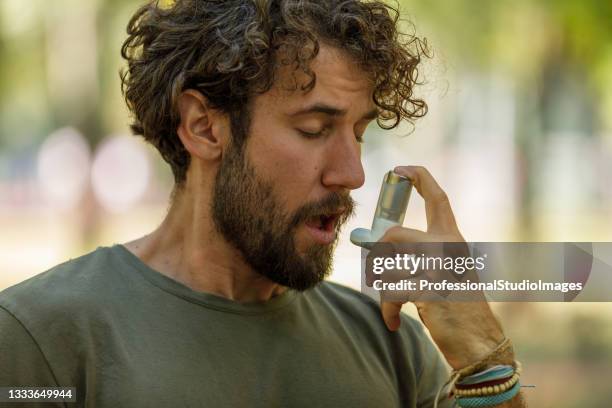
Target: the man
(259, 107)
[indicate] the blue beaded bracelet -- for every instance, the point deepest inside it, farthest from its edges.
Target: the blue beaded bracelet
(489, 400)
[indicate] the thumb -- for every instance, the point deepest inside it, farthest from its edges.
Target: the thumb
(391, 314)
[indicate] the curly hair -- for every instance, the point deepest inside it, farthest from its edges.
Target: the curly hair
(230, 51)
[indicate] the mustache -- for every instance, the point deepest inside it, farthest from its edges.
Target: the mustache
(332, 203)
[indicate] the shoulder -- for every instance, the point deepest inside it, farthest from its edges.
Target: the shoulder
(53, 316)
(65, 286)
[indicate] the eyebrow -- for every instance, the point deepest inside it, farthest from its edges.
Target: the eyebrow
(332, 111)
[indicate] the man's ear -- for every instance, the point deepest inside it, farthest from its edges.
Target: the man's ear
(201, 128)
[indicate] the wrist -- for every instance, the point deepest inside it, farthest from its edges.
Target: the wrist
(488, 350)
(482, 358)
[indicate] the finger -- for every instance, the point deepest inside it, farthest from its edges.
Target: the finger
(440, 217)
(399, 235)
(391, 314)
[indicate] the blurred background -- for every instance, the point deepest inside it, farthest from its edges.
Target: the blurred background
(519, 134)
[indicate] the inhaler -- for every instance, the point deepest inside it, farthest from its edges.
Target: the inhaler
(390, 210)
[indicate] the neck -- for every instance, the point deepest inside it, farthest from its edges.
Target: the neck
(186, 247)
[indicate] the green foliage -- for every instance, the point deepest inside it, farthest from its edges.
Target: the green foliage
(481, 30)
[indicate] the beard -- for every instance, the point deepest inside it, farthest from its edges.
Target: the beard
(250, 217)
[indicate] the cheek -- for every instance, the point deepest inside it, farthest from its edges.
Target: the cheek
(286, 159)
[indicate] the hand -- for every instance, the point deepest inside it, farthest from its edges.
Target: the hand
(465, 332)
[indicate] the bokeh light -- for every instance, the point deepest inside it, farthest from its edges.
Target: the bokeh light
(63, 168)
(120, 173)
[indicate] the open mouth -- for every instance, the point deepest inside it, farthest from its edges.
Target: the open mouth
(324, 222)
(323, 227)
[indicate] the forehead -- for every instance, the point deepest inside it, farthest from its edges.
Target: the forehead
(339, 83)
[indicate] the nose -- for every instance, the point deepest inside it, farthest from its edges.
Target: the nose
(344, 169)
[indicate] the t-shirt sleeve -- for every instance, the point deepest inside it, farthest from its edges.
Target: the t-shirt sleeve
(432, 376)
(22, 363)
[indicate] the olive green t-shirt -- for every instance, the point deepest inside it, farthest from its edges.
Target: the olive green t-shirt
(126, 335)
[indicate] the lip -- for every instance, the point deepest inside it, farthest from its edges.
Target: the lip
(323, 237)
(339, 212)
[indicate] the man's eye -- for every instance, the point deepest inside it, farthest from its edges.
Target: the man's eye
(314, 135)
(311, 135)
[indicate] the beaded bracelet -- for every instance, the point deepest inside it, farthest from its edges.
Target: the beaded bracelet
(489, 400)
(502, 352)
(482, 384)
(476, 385)
(487, 390)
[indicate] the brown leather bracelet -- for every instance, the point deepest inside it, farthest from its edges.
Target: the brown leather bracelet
(502, 354)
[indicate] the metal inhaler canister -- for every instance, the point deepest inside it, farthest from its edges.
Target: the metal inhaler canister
(390, 210)
(392, 203)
